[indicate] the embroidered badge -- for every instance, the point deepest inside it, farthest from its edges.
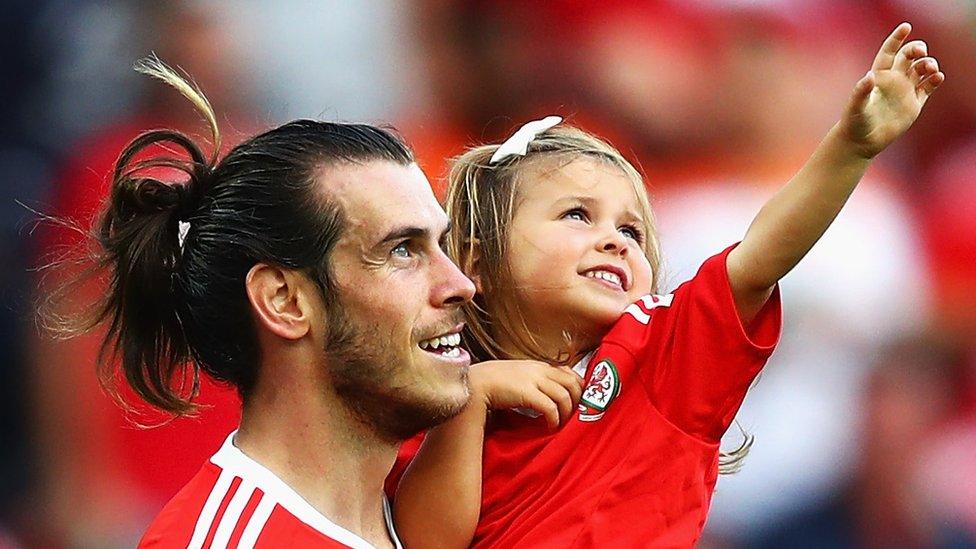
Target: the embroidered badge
(603, 387)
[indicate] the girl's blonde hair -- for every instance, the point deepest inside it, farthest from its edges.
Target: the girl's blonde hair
(481, 201)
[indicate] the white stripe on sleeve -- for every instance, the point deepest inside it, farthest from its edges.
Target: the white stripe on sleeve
(256, 524)
(206, 518)
(232, 514)
(635, 311)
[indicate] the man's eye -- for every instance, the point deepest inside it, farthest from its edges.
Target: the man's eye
(401, 250)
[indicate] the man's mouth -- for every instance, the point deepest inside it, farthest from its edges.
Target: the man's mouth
(446, 345)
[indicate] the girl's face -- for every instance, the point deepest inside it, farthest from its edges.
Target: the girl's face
(575, 247)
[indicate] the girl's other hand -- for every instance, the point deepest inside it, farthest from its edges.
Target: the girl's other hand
(552, 391)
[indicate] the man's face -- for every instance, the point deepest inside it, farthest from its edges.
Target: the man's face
(394, 353)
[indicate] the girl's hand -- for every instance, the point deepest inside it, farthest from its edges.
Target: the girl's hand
(888, 99)
(549, 390)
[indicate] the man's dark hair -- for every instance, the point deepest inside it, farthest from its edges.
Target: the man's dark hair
(177, 254)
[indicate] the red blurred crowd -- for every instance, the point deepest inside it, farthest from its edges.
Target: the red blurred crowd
(865, 420)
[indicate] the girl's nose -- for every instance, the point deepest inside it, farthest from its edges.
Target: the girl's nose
(614, 242)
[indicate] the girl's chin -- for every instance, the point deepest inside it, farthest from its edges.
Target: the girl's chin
(591, 329)
(586, 329)
(604, 319)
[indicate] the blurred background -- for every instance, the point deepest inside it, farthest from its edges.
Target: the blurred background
(865, 418)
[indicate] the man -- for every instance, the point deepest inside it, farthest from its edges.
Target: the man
(305, 269)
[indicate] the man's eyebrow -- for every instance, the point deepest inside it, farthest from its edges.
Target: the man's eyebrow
(404, 233)
(408, 232)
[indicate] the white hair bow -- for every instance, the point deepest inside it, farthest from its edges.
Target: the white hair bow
(519, 142)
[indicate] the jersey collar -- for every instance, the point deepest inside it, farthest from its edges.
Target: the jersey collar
(581, 366)
(233, 460)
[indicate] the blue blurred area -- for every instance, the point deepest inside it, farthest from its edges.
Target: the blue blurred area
(25, 164)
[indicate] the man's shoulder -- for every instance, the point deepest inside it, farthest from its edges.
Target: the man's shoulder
(234, 501)
(219, 508)
(175, 524)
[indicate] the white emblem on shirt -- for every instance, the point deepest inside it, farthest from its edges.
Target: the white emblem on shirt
(601, 389)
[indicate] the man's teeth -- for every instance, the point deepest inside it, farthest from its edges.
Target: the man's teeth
(609, 277)
(452, 340)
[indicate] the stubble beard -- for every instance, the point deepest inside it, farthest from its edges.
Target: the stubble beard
(363, 371)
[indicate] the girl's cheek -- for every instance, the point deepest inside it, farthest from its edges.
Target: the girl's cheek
(643, 278)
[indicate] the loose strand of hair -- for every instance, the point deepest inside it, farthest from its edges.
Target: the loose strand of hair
(152, 66)
(732, 462)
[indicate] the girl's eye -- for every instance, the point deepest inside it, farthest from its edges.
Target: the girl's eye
(576, 213)
(632, 233)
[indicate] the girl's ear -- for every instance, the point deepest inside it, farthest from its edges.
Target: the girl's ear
(471, 264)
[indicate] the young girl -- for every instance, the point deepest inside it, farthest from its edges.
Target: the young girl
(555, 229)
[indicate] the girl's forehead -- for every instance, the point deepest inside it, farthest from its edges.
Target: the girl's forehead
(580, 177)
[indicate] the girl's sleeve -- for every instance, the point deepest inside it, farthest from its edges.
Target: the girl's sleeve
(693, 355)
(408, 450)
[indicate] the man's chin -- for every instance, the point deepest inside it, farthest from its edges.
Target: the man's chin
(417, 419)
(400, 414)
(450, 400)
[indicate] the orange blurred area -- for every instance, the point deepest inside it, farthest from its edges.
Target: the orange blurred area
(865, 418)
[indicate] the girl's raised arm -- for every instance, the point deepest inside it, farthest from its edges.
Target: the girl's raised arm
(883, 105)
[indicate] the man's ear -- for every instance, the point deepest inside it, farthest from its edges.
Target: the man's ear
(278, 300)
(471, 264)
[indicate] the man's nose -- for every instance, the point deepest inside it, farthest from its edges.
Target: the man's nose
(452, 288)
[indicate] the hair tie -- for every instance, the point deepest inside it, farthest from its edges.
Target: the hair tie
(189, 200)
(518, 143)
(182, 227)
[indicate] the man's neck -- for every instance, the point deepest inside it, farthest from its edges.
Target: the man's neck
(325, 455)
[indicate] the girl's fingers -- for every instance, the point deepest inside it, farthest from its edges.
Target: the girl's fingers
(570, 380)
(575, 388)
(921, 69)
(931, 83)
(540, 402)
(560, 396)
(886, 55)
(908, 53)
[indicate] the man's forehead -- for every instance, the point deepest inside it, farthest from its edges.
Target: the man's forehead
(379, 196)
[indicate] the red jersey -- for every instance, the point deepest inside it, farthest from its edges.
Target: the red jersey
(235, 502)
(637, 464)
